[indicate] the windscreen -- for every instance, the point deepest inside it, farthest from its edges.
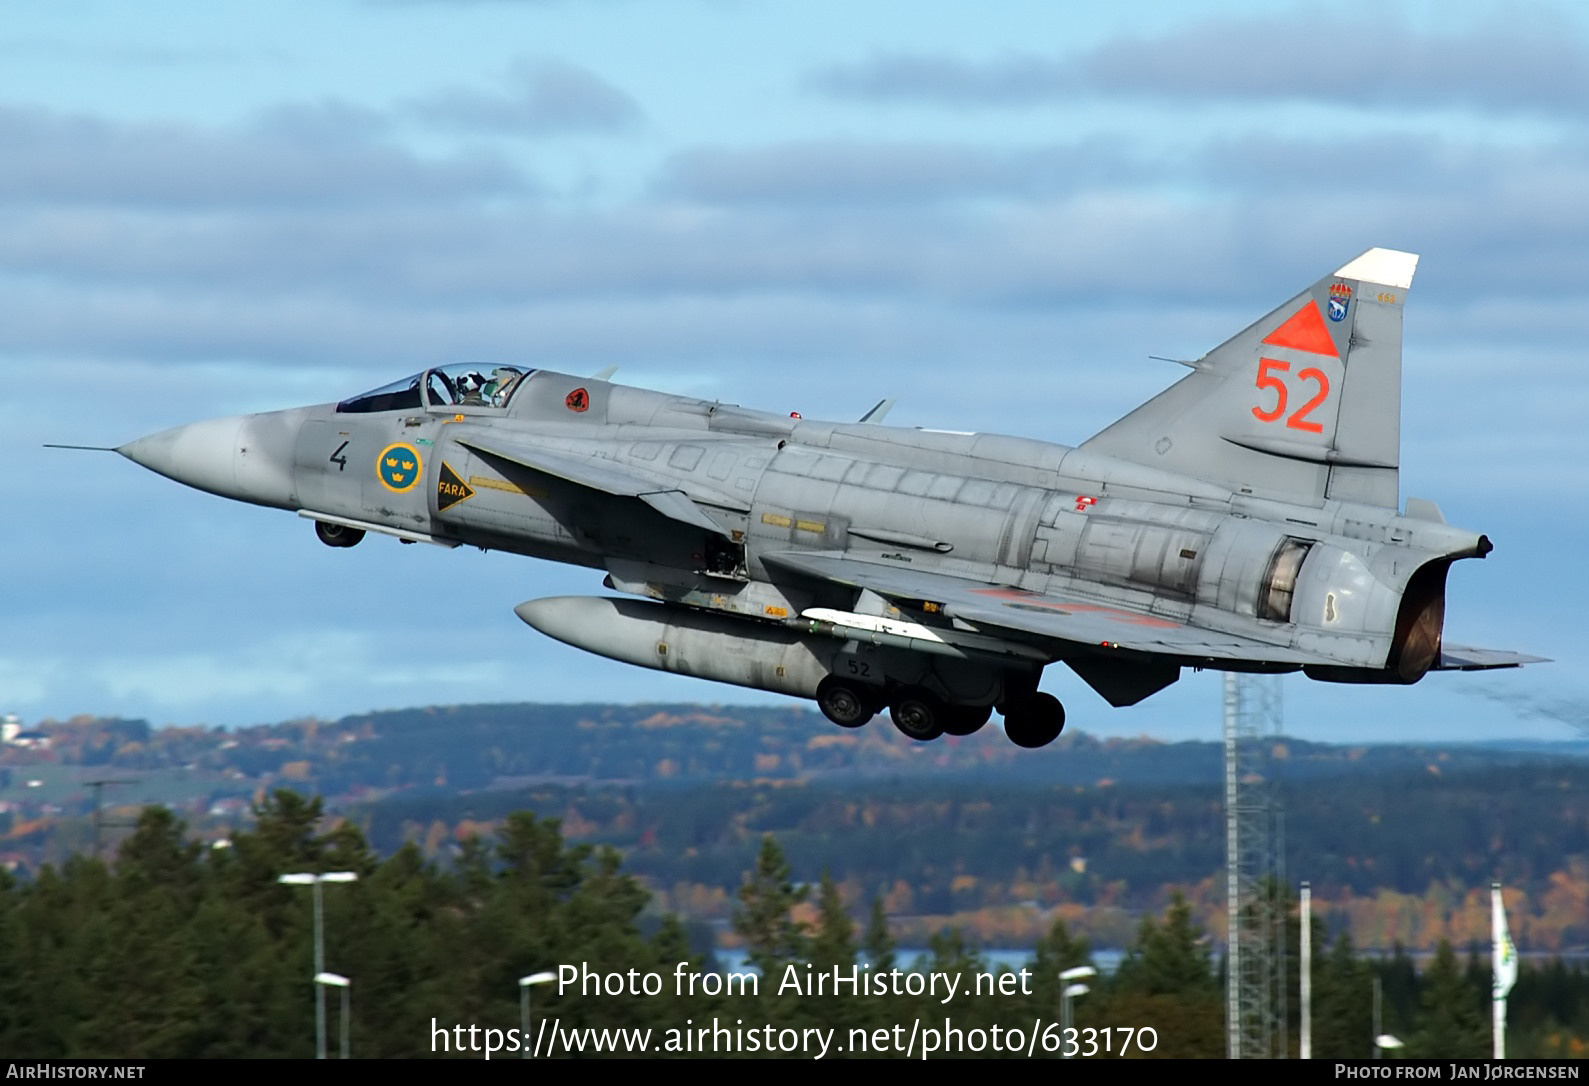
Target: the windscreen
(463, 384)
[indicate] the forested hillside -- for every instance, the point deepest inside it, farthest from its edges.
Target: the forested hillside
(181, 950)
(1400, 843)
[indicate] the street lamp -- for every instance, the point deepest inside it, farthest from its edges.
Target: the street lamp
(311, 879)
(524, 1008)
(336, 980)
(1071, 991)
(1382, 1040)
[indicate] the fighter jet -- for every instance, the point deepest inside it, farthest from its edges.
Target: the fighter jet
(1248, 518)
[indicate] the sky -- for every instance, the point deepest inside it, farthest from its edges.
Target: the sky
(995, 214)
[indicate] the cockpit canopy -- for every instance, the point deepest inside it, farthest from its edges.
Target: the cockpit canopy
(463, 384)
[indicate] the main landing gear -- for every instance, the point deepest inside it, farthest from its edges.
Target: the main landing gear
(918, 713)
(847, 705)
(1035, 721)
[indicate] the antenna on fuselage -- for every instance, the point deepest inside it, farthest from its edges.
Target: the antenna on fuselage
(875, 415)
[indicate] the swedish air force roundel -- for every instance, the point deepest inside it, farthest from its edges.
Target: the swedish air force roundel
(398, 467)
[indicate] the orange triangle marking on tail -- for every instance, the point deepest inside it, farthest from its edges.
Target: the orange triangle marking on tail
(1304, 330)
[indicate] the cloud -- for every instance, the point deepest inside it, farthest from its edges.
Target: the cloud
(469, 3)
(990, 273)
(737, 244)
(1540, 64)
(165, 55)
(300, 156)
(1503, 63)
(546, 97)
(1012, 79)
(881, 172)
(852, 258)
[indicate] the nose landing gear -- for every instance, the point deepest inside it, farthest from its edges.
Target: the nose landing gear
(337, 535)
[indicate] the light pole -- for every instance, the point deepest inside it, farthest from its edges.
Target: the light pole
(1382, 1040)
(1071, 991)
(311, 879)
(336, 980)
(524, 1008)
(1307, 972)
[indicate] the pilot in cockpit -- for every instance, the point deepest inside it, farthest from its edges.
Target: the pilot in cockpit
(469, 388)
(500, 387)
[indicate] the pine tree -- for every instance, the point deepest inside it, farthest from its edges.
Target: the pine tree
(1398, 981)
(1168, 980)
(150, 984)
(878, 943)
(950, 954)
(1452, 1025)
(832, 948)
(1343, 1008)
(1055, 952)
(1171, 958)
(763, 920)
(833, 943)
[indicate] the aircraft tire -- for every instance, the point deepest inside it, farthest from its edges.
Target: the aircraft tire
(337, 535)
(918, 713)
(843, 704)
(966, 719)
(1035, 722)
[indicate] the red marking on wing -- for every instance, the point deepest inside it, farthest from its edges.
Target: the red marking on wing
(1305, 330)
(1032, 599)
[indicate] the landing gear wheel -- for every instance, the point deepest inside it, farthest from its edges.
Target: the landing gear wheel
(1035, 722)
(918, 713)
(966, 719)
(845, 705)
(337, 535)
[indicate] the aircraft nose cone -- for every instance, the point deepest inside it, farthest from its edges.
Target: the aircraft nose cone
(246, 457)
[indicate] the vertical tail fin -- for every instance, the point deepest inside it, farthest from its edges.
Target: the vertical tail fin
(1303, 405)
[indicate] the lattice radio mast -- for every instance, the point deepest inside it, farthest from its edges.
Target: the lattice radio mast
(1256, 901)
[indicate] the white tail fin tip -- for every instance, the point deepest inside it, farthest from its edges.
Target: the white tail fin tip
(1387, 267)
